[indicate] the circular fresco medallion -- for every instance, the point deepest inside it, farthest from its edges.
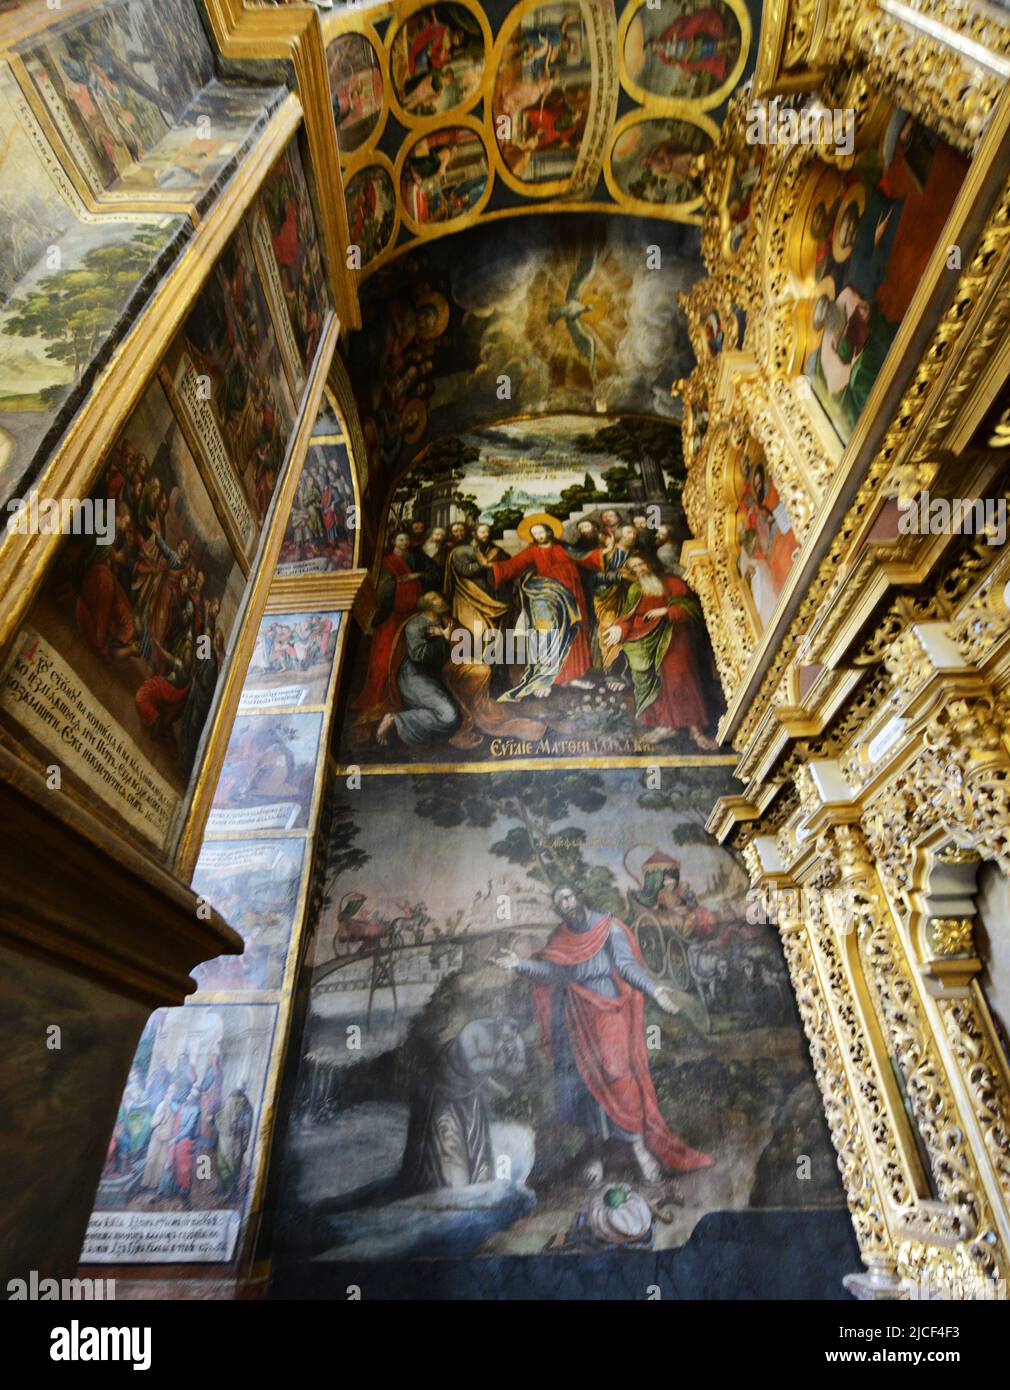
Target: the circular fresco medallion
(436, 60)
(684, 50)
(356, 84)
(543, 93)
(444, 175)
(371, 210)
(653, 160)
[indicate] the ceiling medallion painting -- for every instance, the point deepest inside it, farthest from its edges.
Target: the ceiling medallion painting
(555, 95)
(659, 161)
(682, 51)
(566, 104)
(436, 60)
(372, 210)
(356, 85)
(443, 176)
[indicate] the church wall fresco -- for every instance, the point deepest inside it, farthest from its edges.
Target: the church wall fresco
(318, 537)
(764, 541)
(556, 318)
(105, 674)
(449, 1105)
(109, 161)
(184, 1172)
(861, 240)
(226, 343)
(44, 361)
(288, 250)
(123, 651)
(177, 1176)
(563, 526)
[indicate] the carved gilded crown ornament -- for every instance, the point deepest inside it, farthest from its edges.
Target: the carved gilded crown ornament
(851, 557)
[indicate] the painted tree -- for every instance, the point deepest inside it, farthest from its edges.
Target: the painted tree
(75, 309)
(532, 810)
(443, 461)
(687, 793)
(341, 852)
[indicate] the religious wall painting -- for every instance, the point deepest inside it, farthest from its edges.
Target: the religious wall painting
(191, 159)
(443, 176)
(695, 424)
(181, 1163)
(371, 210)
(37, 214)
(51, 325)
(437, 57)
(531, 602)
(657, 161)
(268, 772)
(743, 178)
(684, 50)
(288, 251)
(764, 542)
(226, 373)
(491, 1112)
(542, 93)
(571, 316)
(319, 537)
(256, 886)
(292, 661)
(356, 86)
(111, 105)
(117, 667)
(860, 244)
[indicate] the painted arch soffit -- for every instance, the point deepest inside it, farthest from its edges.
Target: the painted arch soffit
(453, 114)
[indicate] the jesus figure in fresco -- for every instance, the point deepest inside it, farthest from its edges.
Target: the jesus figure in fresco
(589, 988)
(552, 601)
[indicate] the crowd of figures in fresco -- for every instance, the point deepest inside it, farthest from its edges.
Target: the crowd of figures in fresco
(167, 1120)
(153, 597)
(509, 625)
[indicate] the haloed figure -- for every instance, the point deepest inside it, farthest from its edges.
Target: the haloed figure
(589, 987)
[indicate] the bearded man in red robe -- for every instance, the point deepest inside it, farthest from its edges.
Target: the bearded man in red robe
(589, 987)
(399, 588)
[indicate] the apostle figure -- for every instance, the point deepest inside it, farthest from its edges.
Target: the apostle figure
(398, 591)
(553, 602)
(609, 593)
(428, 712)
(660, 633)
(234, 1127)
(589, 987)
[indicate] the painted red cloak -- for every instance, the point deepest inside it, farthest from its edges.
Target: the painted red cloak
(555, 562)
(607, 1038)
(377, 681)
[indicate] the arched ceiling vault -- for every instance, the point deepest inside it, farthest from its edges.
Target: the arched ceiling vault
(524, 192)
